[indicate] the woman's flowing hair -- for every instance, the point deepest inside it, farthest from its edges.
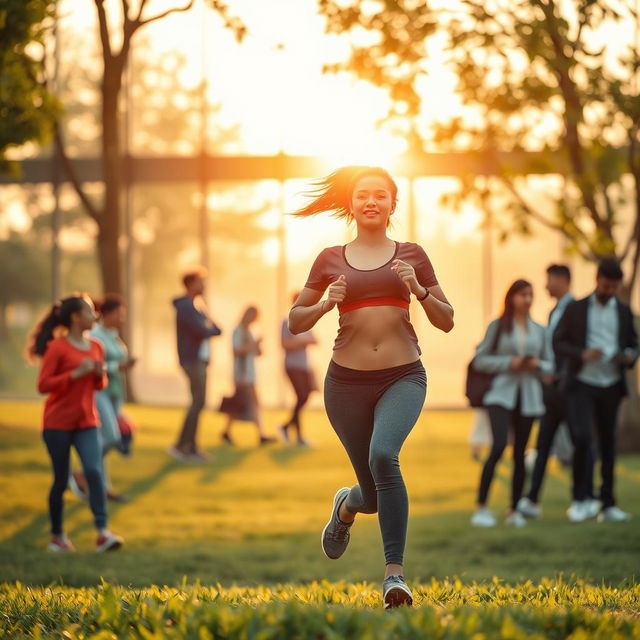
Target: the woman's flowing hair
(333, 192)
(58, 315)
(506, 319)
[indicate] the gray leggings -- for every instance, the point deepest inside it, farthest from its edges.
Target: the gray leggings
(373, 412)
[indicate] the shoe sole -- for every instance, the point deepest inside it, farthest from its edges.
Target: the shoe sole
(483, 525)
(55, 549)
(578, 520)
(110, 545)
(335, 498)
(397, 597)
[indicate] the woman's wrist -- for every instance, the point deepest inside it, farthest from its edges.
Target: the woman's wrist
(421, 297)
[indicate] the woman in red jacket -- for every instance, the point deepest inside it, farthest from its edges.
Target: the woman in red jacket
(72, 370)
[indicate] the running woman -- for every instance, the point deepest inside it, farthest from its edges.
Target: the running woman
(375, 385)
(72, 370)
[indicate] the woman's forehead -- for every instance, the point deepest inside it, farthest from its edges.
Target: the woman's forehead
(370, 183)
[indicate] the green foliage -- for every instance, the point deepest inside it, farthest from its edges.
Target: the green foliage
(27, 108)
(24, 274)
(552, 610)
(529, 79)
(388, 45)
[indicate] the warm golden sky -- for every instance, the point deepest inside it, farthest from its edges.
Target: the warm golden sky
(273, 82)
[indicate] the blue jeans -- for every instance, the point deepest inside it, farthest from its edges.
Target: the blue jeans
(87, 444)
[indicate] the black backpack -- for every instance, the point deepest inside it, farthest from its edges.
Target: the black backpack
(479, 382)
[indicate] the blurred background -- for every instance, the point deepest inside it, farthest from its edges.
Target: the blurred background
(141, 138)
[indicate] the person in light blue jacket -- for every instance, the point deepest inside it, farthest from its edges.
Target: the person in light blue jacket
(520, 358)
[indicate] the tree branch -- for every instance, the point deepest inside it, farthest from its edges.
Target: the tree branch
(530, 211)
(72, 175)
(138, 18)
(164, 14)
(104, 29)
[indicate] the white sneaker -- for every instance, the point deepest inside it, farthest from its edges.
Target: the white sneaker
(528, 508)
(613, 514)
(592, 507)
(515, 519)
(577, 511)
(483, 518)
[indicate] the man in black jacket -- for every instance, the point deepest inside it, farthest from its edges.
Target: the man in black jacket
(594, 343)
(193, 329)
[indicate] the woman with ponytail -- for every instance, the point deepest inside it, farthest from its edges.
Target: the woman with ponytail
(71, 371)
(515, 349)
(375, 385)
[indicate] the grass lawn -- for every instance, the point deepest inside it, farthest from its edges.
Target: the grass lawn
(250, 520)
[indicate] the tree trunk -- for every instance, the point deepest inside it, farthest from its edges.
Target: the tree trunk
(109, 223)
(4, 323)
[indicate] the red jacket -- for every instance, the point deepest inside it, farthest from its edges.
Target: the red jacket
(70, 404)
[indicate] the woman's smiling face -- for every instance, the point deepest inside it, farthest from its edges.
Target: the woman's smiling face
(372, 202)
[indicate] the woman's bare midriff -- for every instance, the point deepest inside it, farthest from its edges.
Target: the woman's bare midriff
(377, 338)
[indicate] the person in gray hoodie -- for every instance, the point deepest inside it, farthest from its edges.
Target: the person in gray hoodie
(194, 327)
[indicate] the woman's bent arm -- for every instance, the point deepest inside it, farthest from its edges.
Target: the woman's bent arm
(438, 309)
(307, 310)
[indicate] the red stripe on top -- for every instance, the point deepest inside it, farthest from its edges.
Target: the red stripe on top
(373, 302)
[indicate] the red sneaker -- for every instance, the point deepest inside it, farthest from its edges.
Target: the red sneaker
(60, 545)
(110, 542)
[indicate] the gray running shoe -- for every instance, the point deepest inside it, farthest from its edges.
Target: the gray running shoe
(335, 535)
(396, 592)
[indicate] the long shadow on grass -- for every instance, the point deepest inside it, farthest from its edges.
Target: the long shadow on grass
(284, 456)
(33, 533)
(224, 458)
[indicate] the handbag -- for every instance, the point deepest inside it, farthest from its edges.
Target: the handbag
(479, 382)
(234, 405)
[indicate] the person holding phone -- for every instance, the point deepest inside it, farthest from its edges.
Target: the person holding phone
(521, 356)
(72, 370)
(597, 341)
(109, 401)
(246, 404)
(194, 328)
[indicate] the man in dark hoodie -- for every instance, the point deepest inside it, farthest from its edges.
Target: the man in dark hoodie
(193, 328)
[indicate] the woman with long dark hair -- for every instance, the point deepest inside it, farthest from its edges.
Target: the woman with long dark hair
(514, 348)
(112, 314)
(375, 385)
(72, 370)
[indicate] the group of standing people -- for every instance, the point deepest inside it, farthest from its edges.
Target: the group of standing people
(572, 371)
(194, 328)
